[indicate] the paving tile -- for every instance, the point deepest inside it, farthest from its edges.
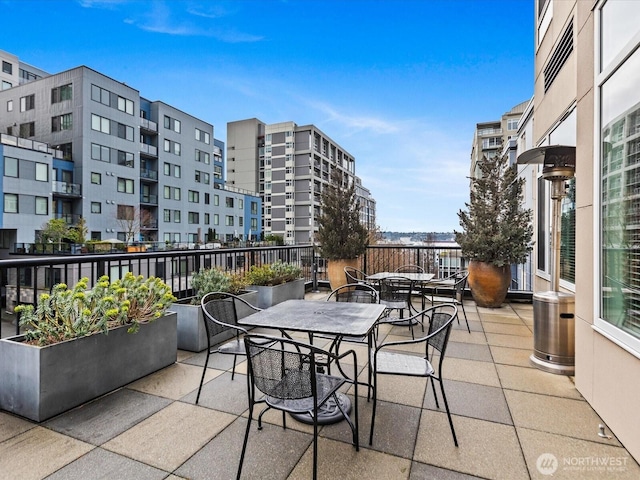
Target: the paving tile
(400, 389)
(37, 453)
(223, 394)
(536, 381)
(511, 356)
(175, 381)
(486, 449)
(472, 400)
(348, 464)
(511, 319)
(511, 341)
(420, 471)
(469, 351)
(108, 416)
(465, 337)
(507, 329)
(560, 457)
(564, 416)
(220, 457)
(10, 426)
(470, 371)
(101, 464)
(168, 438)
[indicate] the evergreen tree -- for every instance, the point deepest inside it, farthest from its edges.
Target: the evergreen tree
(497, 229)
(340, 233)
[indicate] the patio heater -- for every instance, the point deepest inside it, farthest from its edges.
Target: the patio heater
(553, 311)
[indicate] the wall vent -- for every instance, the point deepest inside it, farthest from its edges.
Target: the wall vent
(559, 57)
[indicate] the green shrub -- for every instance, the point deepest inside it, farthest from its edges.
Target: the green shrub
(273, 274)
(71, 313)
(216, 280)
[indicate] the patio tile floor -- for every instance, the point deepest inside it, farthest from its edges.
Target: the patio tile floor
(507, 417)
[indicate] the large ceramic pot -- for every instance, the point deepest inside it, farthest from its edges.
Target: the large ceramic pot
(489, 283)
(335, 271)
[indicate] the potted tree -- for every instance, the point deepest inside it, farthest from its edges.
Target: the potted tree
(496, 232)
(341, 236)
(192, 335)
(79, 344)
(276, 283)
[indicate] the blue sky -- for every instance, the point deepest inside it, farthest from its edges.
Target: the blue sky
(400, 84)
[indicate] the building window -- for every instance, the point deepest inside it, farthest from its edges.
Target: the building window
(228, 220)
(6, 85)
(177, 216)
(167, 145)
(67, 151)
(96, 207)
(167, 169)
(193, 196)
(27, 129)
(203, 157)
(96, 178)
(62, 122)
(100, 152)
(100, 124)
(512, 124)
(100, 95)
(10, 203)
(177, 193)
(194, 218)
(167, 215)
(27, 103)
(7, 68)
(240, 203)
(42, 206)
(125, 185)
(240, 221)
(206, 219)
(217, 172)
(619, 175)
(229, 202)
(216, 219)
(207, 198)
(203, 136)
(216, 200)
(9, 105)
(254, 208)
(42, 172)
(125, 105)
(63, 92)
(254, 224)
(125, 131)
(167, 192)
(125, 159)
(177, 171)
(11, 167)
(125, 212)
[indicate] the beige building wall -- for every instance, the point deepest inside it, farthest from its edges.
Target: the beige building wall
(607, 371)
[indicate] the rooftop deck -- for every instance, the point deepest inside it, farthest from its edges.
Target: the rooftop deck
(506, 415)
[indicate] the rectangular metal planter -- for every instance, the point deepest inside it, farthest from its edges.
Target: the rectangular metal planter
(41, 382)
(192, 335)
(269, 296)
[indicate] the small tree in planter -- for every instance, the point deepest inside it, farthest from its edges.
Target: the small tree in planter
(497, 230)
(341, 235)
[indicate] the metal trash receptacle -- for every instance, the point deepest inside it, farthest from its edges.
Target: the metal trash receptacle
(554, 332)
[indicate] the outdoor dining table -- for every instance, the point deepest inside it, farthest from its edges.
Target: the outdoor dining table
(324, 318)
(421, 279)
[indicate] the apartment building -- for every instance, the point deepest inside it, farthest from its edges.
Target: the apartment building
(289, 165)
(490, 137)
(124, 157)
(587, 69)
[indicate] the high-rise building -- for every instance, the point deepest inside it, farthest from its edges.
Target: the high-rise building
(289, 165)
(123, 157)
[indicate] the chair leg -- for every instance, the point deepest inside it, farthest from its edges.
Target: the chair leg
(446, 407)
(315, 442)
(204, 370)
(433, 387)
(246, 438)
(465, 316)
(233, 370)
(375, 401)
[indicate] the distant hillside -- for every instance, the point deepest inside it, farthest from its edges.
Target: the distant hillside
(419, 236)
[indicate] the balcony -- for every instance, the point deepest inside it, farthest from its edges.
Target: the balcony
(148, 125)
(149, 150)
(69, 218)
(149, 174)
(67, 189)
(149, 199)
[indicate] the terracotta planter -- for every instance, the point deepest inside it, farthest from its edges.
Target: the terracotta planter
(488, 283)
(335, 271)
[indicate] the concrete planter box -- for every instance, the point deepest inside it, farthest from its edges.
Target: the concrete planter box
(41, 382)
(192, 335)
(269, 296)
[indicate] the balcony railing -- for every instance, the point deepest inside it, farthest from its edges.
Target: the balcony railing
(150, 150)
(150, 199)
(69, 218)
(149, 174)
(65, 188)
(148, 125)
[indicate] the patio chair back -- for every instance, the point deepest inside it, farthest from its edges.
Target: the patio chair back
(353, 275)
(355, 293)
(410, 269)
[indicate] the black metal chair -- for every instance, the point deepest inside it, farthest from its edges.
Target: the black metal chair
(395, 294)
(457, 295)
(410, 269)
(353, 275)
(283, 374)
(387, 360)
(220, 315)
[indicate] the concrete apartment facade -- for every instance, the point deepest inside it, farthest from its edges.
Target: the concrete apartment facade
(289, 165)
(587, 72)
(122, 153)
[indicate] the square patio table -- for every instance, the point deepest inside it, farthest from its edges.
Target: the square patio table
(318, 317)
